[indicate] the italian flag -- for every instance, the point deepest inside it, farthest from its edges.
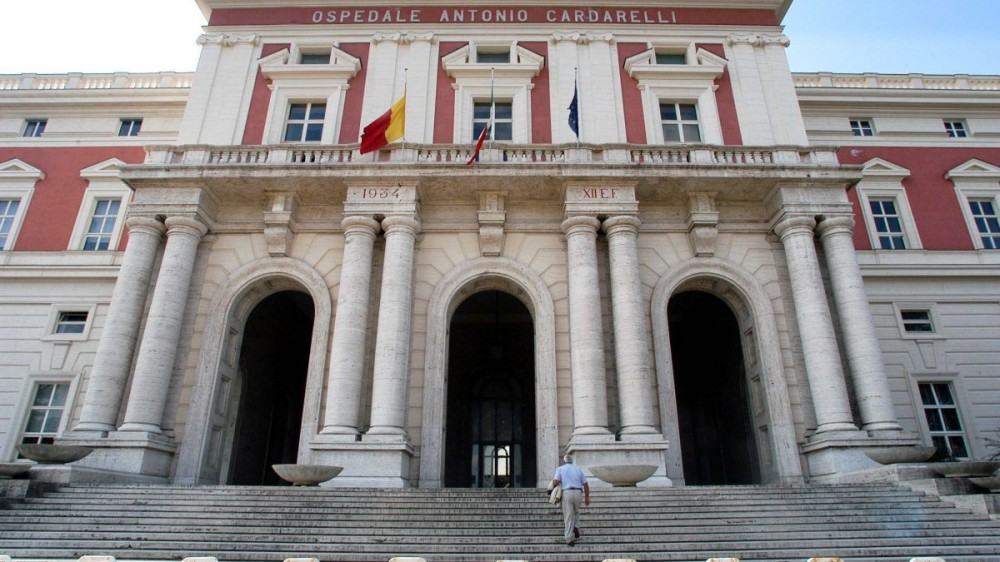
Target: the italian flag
(388, 127)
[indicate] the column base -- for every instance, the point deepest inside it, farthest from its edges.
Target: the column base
(137, 457)
(833, 461)
(651, 452)
(367, 464)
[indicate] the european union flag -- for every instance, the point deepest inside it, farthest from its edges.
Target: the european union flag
(574, 113)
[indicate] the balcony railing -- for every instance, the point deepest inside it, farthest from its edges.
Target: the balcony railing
(80, 81)
(459, 155)
(897, 81)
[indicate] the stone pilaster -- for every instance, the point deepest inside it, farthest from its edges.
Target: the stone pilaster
(635, 388)
(590, 410)
(116, 348)
(871, 383)
(819, 341)
(350, 328)
(157, 352)
(392, 347)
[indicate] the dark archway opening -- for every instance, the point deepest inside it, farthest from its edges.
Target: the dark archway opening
(274, 362)
(490, 435)
(717, 436)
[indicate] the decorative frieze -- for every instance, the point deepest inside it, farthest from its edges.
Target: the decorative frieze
(491, 222)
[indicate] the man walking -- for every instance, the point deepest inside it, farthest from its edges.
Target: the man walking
(575, 490)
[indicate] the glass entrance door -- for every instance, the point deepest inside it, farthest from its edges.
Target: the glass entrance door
(496, 443)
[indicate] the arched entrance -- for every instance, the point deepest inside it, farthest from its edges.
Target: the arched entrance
(716, 424)
(270, 388)
(490, 434)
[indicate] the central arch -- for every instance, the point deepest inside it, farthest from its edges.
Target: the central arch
(524, 284)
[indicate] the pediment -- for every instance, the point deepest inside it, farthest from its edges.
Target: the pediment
(706, 66)
(877, 167)
(282, 66)
(103, 170)
(975, 169)
(526, 64)
(19, 169)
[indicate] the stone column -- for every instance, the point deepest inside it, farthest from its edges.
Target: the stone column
(819, 342)
(871, 383)
(392, 346)
(163, 327)
(350, 328)
(635, 389)
(121, 328)
(590, 409)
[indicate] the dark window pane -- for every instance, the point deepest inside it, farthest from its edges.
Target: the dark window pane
(35, 420)
(44, 394)
(293, 132)
(692, 133)
(951, 421)
(52, 421)
(481, 110)
(59, 398)
(927, 395)
(943, 391)
(477, 129)
(314, 132)
(958, 448)
(671, 58)
(503, 131)
(494, 57)
(317, 111)
(876, 207)
(668, 112)
(689, 112)
(934, 422)
(315, 58)
(297, 111)
(671, 133)
(504, 111)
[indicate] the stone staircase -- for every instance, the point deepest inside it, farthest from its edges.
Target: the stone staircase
(859, 523)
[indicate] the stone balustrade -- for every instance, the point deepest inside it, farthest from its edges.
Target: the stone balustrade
(109, 81)
(97, 558)
(897, 81)
(508, 154)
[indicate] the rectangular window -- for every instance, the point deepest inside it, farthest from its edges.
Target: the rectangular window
(305, 122)
(71, 322)
(503, 122)
(34, 127)
(671, 58)
(46, 413)
(984, 212)
(943, 421)
(129, 127)
(956, 129)
(315, 58)
(8, 212)
(862, 128)
(680, 122)
(102, 224)
(493, 57)
(917, 321)
(887, 224)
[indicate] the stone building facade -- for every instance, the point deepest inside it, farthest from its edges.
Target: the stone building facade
(735, 273)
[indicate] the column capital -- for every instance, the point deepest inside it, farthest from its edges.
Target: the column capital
(145, 225)
(358, 224)
(580, 223)
(185, 225)
(794, 225)
(402, 223)
(831, 226)
(621, 224)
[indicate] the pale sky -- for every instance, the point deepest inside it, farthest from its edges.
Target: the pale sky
(888, 36)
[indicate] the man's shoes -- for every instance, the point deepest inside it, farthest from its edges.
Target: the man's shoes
(571, 543)
(576, 532)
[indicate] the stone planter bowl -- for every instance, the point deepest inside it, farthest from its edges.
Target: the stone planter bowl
(991, 483)
(894, 455)
(623, 474)
(964, 469)
(306, 474)
(12, 469)
(53, 454)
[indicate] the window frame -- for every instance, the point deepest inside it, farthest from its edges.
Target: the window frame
(961, 404)
(34, 127)
(934, 319)
(862, 127)
(305, 121)
(975, 180)
(17, 181)
(23, 408)
(23, 197)
(133, 124)
(952, 128)
(87, 207)
(57, 310)
(883, 180)
(477, 121)
(680, 122)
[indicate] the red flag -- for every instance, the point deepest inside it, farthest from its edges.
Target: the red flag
(388, 127)
(479, 144)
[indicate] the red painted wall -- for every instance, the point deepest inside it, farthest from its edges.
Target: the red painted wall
(350, 123)
(725, 101)
(936, 209)
(260, 99)
(541, 110)
(55, 203)
(635, 127)
(444, 104)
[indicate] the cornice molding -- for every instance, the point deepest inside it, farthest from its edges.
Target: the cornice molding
(229, 40)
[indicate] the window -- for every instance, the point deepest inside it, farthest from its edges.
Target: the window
(71, 322)
(129, 127)
(46, 413)
(943, 421)
(862, 128)
(956, 129)
(34, 127)
(8, 214)
(102, 224)
(503, 122)
(917, 321)
(888, 226)
(305, 122)
(493, 57)
(680, 122)
(984, 214)
(671, 58)
(315, 58)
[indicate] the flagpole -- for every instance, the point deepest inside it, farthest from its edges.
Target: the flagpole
(405, 77)
(576, 94)
(492, 122)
